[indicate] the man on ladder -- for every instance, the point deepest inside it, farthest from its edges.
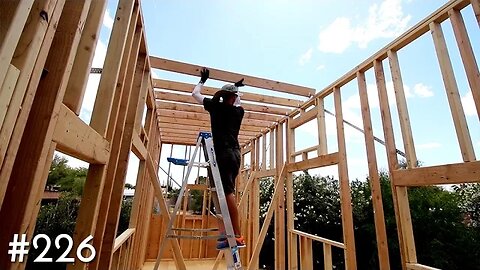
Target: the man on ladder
(225, 119)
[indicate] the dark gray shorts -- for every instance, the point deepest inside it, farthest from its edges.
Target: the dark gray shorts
(228, 164)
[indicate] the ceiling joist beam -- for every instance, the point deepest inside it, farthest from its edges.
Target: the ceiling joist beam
(189, 100)
(204, 124)
(162, 105)
(187, 88)
(194, 70)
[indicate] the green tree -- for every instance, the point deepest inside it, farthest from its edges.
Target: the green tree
(65, 178)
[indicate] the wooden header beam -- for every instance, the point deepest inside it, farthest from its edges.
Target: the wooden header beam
(187, 88)
(247, 106)
(216, 74)
(162, 105)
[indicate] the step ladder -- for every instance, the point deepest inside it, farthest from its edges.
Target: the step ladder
(232, 255)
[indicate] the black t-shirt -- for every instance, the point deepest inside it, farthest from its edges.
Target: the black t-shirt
(225, 121)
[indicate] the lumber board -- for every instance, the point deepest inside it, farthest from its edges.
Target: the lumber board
(113, 60)
(83, 60)
(248, 107)
(187, 100)
(457, 173)
(321, 161)
(153, 176)
(194, 70)
(304, 118)
(453, 95)
(75, 138)
(6, 91)
(13, 18)
(380, 229)
(253, 264)
(30, 63)
(467, 54)
(247, 124)
(322, 128)
(187, 88)
(35, 143)
(345, 195)
(133, 87)
(400, 195)
(191, 112)
(138, 148)
(402, 109)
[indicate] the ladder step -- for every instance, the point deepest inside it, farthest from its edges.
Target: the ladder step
(195, 230)
(178, 161)
(184, 162)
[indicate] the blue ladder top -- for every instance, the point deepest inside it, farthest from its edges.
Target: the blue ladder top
(178, 161)
(204, 134)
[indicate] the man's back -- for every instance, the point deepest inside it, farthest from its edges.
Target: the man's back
(225, 121)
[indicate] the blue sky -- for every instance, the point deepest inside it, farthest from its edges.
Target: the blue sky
(312, 43)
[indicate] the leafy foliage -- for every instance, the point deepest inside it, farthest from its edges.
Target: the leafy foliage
(65, 178)
(445, 222)
(60, 217)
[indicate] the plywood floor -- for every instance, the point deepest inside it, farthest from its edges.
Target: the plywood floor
(203, 264)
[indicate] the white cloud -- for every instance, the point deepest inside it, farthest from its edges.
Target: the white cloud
(321, 67)
(422, 90)
(430, 145)
(337, 37)
(384, 21)
(108, 20)
(306, 57)
(99, 55)
(468, 104)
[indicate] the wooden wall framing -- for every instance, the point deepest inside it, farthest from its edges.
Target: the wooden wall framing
(46, 50)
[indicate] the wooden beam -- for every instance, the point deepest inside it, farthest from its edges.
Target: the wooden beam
(187, 88)
(194, 70)
(163, 208)
(319, 239)
(253, 264)
(400, 194)
(322, 129)
(402, 109)
(83, 60)
(467, 54)
(304, 118)
(196, 130)
(75, 138)
(13, 18)
(166, 122)
(345, 196)
(188, 99)
(459, 120)
(247, 124)
(138, 148)
(321, 161)
(468, 172)
(177, 141)
(265, 173)
(113, 60)
(185, 111)
(30, 59)
(380, 230)
(6, 91)
(33, 151)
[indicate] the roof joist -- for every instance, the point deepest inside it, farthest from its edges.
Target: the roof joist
(194, 70)
(188, 99)
(163, 120)
(187, 88)
(162, 105)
